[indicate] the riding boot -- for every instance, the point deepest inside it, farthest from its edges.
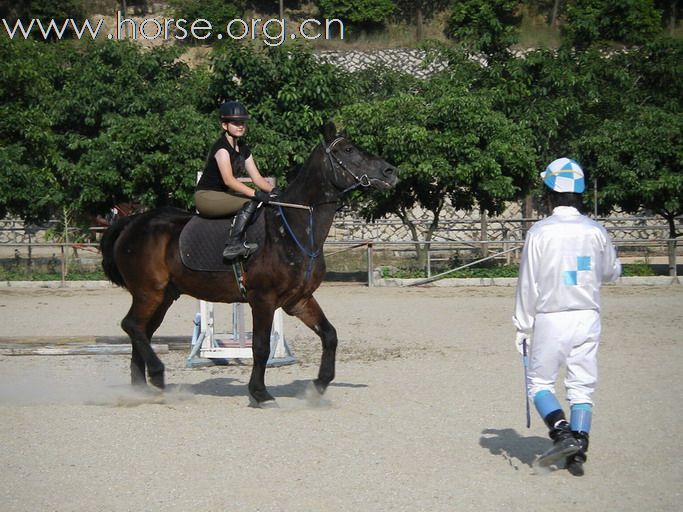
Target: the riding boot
(564, 443)
(234, 246)
(580, 423)
(575, 462)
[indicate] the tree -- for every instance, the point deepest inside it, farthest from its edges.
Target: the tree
(450, 145)
(559, 95)
(90, 125)
(601, 21)
(635, 176)
(357, 13)
(28, 73)
(671, 13)
(481, 27)
(419, 11)
(130, 127)
(45, 11)
(636, 154)
(288, 94)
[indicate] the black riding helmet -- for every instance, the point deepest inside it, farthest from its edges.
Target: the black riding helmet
(233, 111)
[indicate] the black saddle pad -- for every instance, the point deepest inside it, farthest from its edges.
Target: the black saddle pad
(202, 241)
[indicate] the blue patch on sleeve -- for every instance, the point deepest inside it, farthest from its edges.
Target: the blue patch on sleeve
(583, 263)
(570, 277)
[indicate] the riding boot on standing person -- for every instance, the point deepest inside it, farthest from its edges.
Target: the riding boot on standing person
(220, 193)
(565, 260)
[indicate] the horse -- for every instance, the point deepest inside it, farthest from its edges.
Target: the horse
(142, 254)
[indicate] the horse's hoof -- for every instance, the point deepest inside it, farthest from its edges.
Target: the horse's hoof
(266, 404)
(157, 381)
(269, 404)
(320, 387)
(313, 396)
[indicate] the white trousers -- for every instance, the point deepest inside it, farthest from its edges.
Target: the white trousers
(568, 338)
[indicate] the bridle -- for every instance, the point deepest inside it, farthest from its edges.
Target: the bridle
(362, 181)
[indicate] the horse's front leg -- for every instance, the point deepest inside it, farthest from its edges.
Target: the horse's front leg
(309, 312)
(262, 319)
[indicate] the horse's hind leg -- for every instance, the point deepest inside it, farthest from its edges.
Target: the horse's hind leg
(310, 313)
(143, 318)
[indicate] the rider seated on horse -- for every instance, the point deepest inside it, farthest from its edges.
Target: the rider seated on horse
(219, 192)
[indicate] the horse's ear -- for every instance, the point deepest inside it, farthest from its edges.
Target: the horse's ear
(329, 131)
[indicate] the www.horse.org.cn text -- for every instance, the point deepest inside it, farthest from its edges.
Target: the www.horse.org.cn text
(273, 31)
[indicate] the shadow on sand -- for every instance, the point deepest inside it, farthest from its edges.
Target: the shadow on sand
(517, 450)
(226, 386)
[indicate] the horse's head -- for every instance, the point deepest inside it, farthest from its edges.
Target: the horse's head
(352, 167)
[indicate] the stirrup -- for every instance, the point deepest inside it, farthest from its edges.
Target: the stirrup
(242, 249)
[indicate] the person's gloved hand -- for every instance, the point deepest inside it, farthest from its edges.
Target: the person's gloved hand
(519, 342)
(275, 192)
(262, 197)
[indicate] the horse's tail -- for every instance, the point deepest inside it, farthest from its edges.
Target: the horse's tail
(107, 248)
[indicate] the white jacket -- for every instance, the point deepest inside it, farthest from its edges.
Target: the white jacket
(565, 260)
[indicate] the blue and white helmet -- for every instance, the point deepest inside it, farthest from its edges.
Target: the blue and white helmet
(564, 175)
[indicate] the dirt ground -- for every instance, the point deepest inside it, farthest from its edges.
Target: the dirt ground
(426, 412)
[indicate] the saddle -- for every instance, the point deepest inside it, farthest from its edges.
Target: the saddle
(202, 240)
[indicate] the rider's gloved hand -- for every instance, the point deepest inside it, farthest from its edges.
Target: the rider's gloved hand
(261, 196)
(522, 338)
(275, 192)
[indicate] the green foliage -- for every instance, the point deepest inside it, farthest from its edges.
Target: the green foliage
(407, 8)
(28, 274)
(357, 12)
(45, 11)
(636, 152)
(86, 125)
(598, 21)
(488, 28)
(94, 124)
(130, 127)
(633, 175)
(449, 143)
(559, 95)
(27, 82)
(637, 269)
(288, 94)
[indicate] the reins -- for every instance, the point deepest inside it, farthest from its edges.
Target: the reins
(311, 254)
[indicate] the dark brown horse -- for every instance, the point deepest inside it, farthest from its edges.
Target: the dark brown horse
(142, 254)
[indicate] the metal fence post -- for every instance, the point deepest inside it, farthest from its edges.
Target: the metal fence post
(63, 269)
(371, 266)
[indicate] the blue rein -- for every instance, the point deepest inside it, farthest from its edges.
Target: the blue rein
(363, 181)
(310, 254)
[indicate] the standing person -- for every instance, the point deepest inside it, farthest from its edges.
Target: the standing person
(219, 192)
(565, 260)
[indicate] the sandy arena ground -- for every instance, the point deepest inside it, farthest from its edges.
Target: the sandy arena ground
(426, 412)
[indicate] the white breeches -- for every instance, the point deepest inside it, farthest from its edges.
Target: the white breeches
(570, 338)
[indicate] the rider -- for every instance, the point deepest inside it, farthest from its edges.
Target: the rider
(219, 192)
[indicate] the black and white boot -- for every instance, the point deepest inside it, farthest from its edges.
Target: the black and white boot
(564, 445)
(575, 462)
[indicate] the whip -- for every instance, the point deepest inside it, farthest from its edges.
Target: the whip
(290, 205)
(525, 363)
